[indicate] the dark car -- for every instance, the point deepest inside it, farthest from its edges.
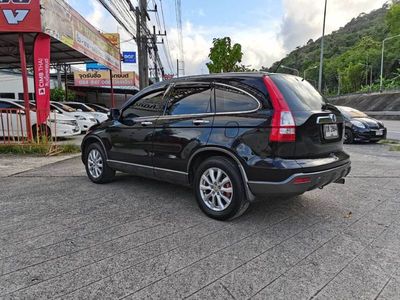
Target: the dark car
(231, 137)
(360, 127)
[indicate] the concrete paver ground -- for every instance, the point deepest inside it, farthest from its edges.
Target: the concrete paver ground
(62, 236)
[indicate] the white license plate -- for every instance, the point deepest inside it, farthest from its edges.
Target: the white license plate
(379, 132)
(331, 131)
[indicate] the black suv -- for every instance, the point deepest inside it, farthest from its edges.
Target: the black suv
(231, 137)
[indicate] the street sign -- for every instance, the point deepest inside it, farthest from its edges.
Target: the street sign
(94, 66)
(129, 57)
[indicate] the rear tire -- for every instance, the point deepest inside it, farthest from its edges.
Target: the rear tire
(42, 131)
(348, 137)
(96, 165)
(219, 189)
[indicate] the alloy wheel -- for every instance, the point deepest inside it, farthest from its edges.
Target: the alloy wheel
(216, 189)
(95, 163)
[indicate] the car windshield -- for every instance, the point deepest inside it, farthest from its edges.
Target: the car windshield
(31, 105)
(351, 112)
(64, 107)
(82, 107)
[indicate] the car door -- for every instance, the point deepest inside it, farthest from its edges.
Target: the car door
(185, 126)
(131, 135)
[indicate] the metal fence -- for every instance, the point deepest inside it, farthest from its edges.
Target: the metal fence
(13, 129)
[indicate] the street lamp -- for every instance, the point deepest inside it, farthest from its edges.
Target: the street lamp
(383, 50)
(321, 60)
(309, 69)
(293, 69)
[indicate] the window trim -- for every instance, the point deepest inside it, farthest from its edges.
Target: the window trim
(259, 105)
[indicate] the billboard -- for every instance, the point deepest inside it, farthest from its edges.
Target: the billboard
(129, 57)
(102, 79)
(62, 22)
(20, 16)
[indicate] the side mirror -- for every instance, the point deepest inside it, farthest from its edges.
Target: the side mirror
(114, 114)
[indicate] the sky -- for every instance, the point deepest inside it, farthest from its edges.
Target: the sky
(267, 29)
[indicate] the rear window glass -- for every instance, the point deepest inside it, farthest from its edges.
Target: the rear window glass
(351, 112)
(229, 99)
(299, 94)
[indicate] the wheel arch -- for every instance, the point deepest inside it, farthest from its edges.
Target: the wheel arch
(207, 152)
(90, 140)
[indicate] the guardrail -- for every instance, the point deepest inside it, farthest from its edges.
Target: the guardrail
(13, 129)
(12, 126)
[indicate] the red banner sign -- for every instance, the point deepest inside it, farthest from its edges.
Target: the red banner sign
(41, 58)
(20, 16)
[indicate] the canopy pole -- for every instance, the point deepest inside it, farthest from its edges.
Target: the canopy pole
(112, 90)
(24, 74)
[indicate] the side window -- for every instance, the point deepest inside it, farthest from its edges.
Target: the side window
(149, 105)
(189, 100)
(6, 105)
(229, 99)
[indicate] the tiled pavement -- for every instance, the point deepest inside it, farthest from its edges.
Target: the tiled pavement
(64, 237)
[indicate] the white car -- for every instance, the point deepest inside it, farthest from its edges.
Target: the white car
(100, 117)
(85, 120)
(13, 122)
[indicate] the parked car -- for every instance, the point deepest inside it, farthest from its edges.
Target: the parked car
(85, 120)
(13, 123)
(360, 127)
(231, 137)
(99, 116)
(98, 108)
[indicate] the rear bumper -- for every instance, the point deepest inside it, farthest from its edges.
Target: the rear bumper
(314, 180)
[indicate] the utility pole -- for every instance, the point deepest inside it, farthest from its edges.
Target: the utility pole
(321, 60)
(177, 68)
(141, 40)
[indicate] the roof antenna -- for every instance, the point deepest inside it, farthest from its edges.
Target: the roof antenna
(276, 69)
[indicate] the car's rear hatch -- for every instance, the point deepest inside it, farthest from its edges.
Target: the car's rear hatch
(319, 126)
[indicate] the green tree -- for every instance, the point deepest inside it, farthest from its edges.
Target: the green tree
(393, 18)
(58, 95)
(225, 57)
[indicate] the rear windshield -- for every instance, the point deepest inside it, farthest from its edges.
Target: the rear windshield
(299, 94)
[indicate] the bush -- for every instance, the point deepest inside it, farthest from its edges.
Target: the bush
(58, 94)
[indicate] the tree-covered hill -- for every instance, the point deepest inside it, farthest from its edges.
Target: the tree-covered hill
(352, 52)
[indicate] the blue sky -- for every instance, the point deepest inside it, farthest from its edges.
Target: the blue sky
(267, 29)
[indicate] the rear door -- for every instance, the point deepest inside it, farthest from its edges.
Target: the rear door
(185, 126)
(319, 126)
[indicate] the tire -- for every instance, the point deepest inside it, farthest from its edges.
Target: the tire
(348, 137)
(212, 195)
(96, 165)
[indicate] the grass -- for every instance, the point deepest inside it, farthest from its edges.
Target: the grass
(394, 145)
(39, 149)
(394, 148)
(389, 142)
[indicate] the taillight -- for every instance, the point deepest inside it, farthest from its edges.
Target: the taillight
(283, 124)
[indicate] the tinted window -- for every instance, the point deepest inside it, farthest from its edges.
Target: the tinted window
(229, 99)
(5, 105)
(149, 105)
(189, 100)
(299, 94)
(82, 107)
(7, 95)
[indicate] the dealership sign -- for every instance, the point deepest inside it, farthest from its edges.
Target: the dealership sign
(129, 57)
(102, 79)
(20, 16)
(94, 66)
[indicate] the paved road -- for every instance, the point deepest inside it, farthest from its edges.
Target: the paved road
(62, 236)
(393, 129)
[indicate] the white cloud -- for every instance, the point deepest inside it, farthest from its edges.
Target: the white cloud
(303, 19)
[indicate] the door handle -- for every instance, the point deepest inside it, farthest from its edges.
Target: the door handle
(146, 123)
(200, 122)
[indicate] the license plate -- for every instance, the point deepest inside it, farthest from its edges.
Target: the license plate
(379, 132)
(331, 131)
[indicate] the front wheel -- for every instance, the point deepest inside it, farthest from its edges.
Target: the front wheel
(219, 189)
(348, 137)
(96, 165)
